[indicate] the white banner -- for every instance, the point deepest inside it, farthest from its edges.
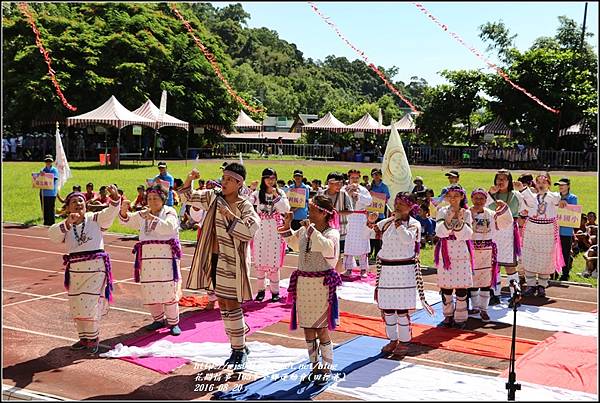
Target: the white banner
(64, 172)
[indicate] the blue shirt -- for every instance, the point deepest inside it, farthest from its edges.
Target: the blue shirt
(169, 178)
(301, 213)
(51, 192)
(427, 225)
(570, 198)
(381, 188)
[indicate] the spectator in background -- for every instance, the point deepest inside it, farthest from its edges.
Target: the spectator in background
(300, 213)
(140, 201)
(377, 186)
(48, 196)
(316, 188)
(419, 189)
(365, 182)
(427, 225)
(100, 202)
(453, 178)
(89, 192)
(282, 185)
(177, 183)
(165, 176)
(566, 233)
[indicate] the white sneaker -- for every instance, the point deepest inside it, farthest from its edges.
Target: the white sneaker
(363, 273)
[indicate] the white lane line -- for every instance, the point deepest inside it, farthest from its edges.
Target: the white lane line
(106, 245)
(17, 329)
(57, 253)
(31, 268)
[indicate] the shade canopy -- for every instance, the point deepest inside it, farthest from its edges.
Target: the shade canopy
(110, 113)
(150, 111)
(367, 124)
(406, 124)
(244, 121)
(496, 126)
(327, 122)
(581, 127)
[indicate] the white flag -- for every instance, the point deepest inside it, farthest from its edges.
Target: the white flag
(64, 172)
(380, 118)
(395, 168)
(241, 160)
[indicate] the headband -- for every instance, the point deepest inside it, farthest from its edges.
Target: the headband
(463, 193)
(479, 191)
(159, 192)
(323, 209)
(214, 183)
(72, 195)
(414, 207)
(233, 175)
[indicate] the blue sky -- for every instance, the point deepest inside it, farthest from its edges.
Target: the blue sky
(398, 34)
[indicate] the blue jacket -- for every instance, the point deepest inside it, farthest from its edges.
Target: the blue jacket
(169, 178)
(302, 213)
(51, 192)
(381, 188)
(570, 198)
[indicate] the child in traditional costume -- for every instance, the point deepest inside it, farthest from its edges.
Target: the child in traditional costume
(455, 268)
(398, 271)
(268, 247)
(88, 276)
(157, 258)
(357, 241)
(508, 240)
(312, 289)
(221, 261)
(486, 226)
(542, 253)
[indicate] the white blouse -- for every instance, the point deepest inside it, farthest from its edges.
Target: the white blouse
(162, 228)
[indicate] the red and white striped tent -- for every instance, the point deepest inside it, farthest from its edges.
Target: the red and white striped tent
(244, 121)
(406, 124)
(367, 124)
(496, 126)
(150, 111)
(110, 113)
(327, 122)
(581, 127)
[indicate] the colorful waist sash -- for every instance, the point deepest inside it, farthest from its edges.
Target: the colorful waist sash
(85, 256)
(175, 252)
(331, 279)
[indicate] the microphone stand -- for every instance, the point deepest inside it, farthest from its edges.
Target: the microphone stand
(512, 385)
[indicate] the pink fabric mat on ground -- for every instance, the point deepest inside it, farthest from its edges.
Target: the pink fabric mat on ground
(563, 360)
(202, 326)
(355, 277)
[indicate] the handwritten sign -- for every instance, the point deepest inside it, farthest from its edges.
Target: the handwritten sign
(378, 204)
(42, 180)
(156, 181)
(297, 197)
(570, 216)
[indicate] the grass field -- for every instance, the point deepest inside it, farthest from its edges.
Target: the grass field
(21, 203)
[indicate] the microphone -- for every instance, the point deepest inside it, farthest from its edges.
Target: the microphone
(516, 291)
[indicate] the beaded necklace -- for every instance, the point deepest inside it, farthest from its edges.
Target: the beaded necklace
(80, 238)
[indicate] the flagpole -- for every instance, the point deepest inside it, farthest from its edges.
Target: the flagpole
(187, 145)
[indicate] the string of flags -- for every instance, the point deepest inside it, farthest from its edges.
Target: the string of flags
(38, 41)
(482, 57)
(215, 66)
(363, 56)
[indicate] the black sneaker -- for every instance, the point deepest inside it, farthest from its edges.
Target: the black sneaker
(447, 322)
(275, 298)
(460, 325)
(240, 360)
(231, 359)
(80, 345)
(494, 300)
(541, 291)
(260, 296)
(530, 291)
(155, 325)
(564, 278)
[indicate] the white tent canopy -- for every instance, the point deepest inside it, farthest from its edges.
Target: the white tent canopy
(244, 121)
(327, 122)
(406, 124)
(150, 111)
(367, 124)
(581, 127)
(110, 113)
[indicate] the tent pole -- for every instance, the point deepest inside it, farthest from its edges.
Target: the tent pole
(119, 149)
(105, 147)
(154, 146)
(187, 145)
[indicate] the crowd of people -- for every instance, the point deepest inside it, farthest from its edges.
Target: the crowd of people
(511, 223)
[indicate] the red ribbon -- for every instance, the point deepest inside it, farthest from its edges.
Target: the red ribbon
(215, 66)
(38, 41)
(479, 55)
(363, 56)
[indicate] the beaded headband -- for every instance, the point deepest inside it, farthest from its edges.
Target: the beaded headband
(414, 207)
(480, 191)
